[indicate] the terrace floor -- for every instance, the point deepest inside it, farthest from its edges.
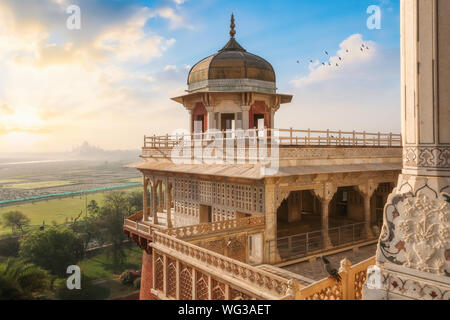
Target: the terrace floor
(315, 269)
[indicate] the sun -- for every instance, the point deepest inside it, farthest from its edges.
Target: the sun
(22, 119)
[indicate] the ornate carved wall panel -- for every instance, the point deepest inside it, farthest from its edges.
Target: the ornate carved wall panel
(185, 282)
(416, 230)
(171, 278)
(202, 287)
(224, 198)
(218, 290)
(427, 157)
(159, 272)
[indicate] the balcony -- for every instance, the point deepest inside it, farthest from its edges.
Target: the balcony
(184, 270)
(283, 152)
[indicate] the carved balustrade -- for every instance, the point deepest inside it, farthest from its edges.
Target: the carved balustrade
(185, 271)
(216, 227)
(350, 288)
(134, 223)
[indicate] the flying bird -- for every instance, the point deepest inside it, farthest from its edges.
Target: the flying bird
(326, 52)
(298, 61)
(337, 65)
(361, 49)
(340, 58)
(333, 273)
(311, 61)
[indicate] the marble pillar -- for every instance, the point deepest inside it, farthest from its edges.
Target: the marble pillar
(413, 256)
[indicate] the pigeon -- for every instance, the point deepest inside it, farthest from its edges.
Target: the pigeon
(311, 61)
(340, 58)
(298, 61)
(326, 52)
(330, 270)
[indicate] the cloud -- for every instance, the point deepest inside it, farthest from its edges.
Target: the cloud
(91, 88)
(176, 21)
(6, 110)
(130, 42)
(170, 67)
(346, 63)
(363, 93)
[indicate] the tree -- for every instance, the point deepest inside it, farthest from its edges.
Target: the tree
(93, 207)
(9, 247)
(87, 229)
(20, 280)
(53, 249)
(135, 200)
(16, 220)
(112, 214)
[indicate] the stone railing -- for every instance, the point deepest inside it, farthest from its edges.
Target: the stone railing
(216, 227)
(134, 223)
(184, 271)
(289, 137)
(350, 288)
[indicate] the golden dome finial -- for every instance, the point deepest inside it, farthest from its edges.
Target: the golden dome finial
(232, 26)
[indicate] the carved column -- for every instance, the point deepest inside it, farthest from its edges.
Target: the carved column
(325, 194)
(245, 117)
(367, 190)
(145, 199)
(191, 120)
(161, 196)
(168, 205)
(154, 205)
(272, 119)
(273, 199)
(413, 256)
(211, 122)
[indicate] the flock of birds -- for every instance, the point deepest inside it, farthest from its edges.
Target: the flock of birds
(363, 48)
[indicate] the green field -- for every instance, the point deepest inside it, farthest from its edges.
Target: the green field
(55, 210)
(40, 184)
(11, 181)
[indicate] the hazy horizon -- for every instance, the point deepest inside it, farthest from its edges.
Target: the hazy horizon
(110, 82)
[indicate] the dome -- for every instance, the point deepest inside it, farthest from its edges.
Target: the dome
(231, 62)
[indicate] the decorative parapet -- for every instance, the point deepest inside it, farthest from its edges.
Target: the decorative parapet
(287, 137)
(134, 223)
(216, 227)
(350, 288)
(199, 263)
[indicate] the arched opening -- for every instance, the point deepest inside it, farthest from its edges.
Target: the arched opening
(298, 213)
(259, 113)
(200, 118)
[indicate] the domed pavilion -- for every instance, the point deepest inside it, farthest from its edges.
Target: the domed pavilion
(232, 89)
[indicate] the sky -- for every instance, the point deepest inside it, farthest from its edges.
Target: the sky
(110, 82)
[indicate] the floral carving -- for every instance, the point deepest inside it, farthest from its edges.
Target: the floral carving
(416, 230)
